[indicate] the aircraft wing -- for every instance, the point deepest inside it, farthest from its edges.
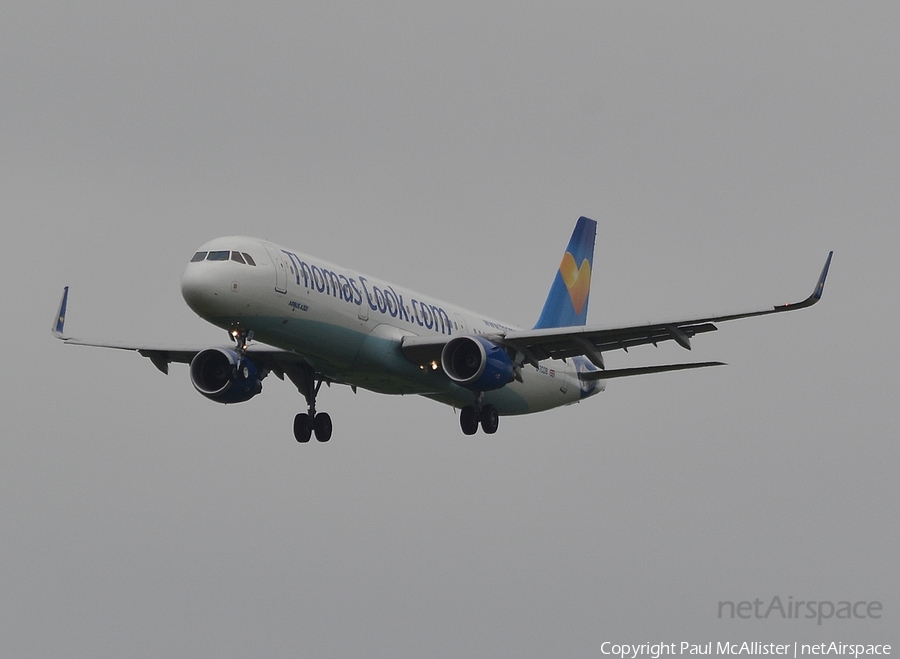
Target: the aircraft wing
(592, 342)
(274, 359)
(558, 343)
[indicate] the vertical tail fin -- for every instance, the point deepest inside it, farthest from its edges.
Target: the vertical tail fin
(567, 303)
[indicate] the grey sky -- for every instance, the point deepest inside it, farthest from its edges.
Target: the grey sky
(723, 150)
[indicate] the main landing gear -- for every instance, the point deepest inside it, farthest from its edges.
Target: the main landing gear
(307, 424)
(471, 415)
(310, 423)
(308, 383)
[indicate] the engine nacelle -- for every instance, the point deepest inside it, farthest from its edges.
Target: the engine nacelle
(224, 376)
(476, 363)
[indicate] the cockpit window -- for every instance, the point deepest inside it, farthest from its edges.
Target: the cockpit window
(224, 255)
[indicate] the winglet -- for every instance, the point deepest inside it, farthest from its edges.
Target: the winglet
(60, 320)
(816, 294)
(820, 285)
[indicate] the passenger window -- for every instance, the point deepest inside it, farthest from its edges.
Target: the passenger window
(248, 258)
(236, 256)
(199, 256)
(218, 256)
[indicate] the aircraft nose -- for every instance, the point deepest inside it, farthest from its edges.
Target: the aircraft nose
(202, 289)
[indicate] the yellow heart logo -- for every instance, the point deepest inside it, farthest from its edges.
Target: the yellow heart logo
(577, 280)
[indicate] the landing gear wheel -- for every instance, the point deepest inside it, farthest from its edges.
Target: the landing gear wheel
(303, 427)
(468, 420)
(308, 383)
(490, 420)
(322, 426)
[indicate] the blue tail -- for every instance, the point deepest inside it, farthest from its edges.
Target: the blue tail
(567, 303)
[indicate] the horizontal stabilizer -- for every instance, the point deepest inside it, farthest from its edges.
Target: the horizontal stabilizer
(641, 370)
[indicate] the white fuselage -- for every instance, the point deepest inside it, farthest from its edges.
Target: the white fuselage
(348, 326)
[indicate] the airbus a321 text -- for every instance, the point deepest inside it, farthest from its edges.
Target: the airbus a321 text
(298, 316)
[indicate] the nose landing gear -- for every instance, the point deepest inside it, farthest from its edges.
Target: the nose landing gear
(241, 339)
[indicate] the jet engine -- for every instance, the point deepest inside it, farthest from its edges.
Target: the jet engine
(476, 363)
(225, 376)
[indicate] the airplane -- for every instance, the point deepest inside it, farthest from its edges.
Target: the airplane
(295, 315)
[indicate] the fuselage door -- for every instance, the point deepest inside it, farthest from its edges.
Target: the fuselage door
(280, 270)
